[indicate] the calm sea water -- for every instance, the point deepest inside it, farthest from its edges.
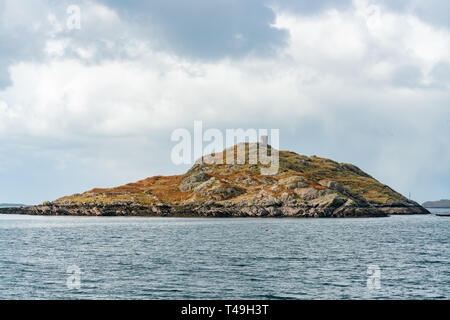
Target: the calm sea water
(157, 258)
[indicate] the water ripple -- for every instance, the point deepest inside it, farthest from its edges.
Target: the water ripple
(162, 258)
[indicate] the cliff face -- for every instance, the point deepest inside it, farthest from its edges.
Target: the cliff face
(303, 187)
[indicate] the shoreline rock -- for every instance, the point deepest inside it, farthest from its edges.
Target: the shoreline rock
(214, 210)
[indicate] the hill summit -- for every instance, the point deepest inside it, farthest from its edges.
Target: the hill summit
(302, 187)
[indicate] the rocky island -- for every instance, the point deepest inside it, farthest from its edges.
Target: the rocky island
(303, 187)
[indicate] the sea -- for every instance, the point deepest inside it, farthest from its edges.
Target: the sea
(58, 257)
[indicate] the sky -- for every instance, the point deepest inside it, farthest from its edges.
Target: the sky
(90, 91)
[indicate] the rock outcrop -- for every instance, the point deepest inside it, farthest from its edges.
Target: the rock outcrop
(303, 187)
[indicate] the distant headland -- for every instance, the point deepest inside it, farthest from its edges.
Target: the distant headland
(303, 187)
(437, 204)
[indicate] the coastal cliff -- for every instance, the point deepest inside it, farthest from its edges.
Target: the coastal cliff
(303, 187)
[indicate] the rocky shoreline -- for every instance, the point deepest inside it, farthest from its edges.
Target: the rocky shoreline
(216, 210)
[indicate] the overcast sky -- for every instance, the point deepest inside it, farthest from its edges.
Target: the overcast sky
(365, 82)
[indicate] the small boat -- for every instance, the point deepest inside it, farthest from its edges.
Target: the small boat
(443, 214)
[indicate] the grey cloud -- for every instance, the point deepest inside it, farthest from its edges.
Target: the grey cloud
(206, 29)
(407, 76)
(26, 28)
(435, 12)
(199, 29)
(23, 30)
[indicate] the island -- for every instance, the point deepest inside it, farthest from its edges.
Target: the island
(303, 186)
(437, 204)
(11, 205)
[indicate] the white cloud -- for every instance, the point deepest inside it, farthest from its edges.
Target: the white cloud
(365, 41)
(334, 56)
(137, 97)
(99, 14)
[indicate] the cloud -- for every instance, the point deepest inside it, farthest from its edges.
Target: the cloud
(18, 18)
(368, 42)
(307, 7)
